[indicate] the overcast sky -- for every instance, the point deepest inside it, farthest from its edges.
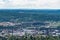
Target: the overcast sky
(29, 4)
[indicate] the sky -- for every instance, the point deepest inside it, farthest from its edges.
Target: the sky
(29, 4)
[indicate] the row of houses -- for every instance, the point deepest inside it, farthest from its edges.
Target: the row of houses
(50, 31)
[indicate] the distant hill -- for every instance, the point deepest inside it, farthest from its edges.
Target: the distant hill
(29, 15)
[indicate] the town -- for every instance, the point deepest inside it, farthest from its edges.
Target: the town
(32, 28)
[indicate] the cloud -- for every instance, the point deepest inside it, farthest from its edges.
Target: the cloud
(30, 4)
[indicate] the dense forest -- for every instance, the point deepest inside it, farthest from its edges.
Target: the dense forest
(29, 15)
